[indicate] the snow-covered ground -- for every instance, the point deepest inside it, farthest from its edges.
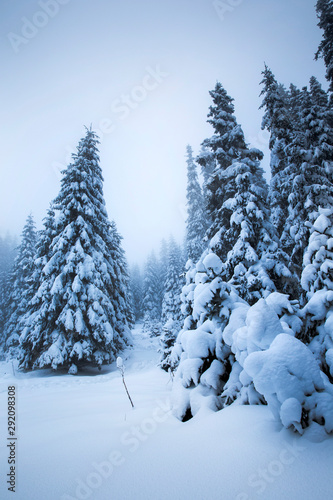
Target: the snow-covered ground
(79, 438)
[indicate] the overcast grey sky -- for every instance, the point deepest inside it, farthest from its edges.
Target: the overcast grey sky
(140, 72)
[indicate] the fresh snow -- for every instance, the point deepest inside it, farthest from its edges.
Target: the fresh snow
(79, 438)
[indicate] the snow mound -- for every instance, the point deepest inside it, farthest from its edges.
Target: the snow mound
(289, 378)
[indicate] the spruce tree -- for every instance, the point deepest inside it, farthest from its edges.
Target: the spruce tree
(278, 121)
(136, 285)
(206, 159)
(152, 296)
(120, 280)
(76, 316)
(317, 283)
(241, 234)
(162, 270)
(226, 145)
(324, 10)
(196, 217)
(21, 285)
(7, 259)
(243, 264)
(311, 158)
(171, 305)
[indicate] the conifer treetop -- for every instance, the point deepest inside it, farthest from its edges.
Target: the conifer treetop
(324, 10)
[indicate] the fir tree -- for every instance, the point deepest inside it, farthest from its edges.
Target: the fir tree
(241, 233)
(278, 121)
(195, 223)
(311, 158)
(171, 305)
(242, 264)
(173, 282)
(21, 285)
(152, 296)
(136, 284)
(163, 271)
(324, 10)
(226, 145)
(78, 314)
(206, 159)
(120, 280)
(317, 283)
(7, 258)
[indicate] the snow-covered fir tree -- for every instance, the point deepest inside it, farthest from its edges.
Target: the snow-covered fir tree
(78, 314)
(206, 159)
(171, 305)
(173, 281)
(152, 300)
(163, 269)
(121, 294)
(241, 234)
(324, 10)
(243, 264)
(301, 160)
(7, 257)
(311, 163)
(136, 286)
(197, 223)
(196, 217)
(21, 286)
(317, 283)
(278, 121)
(226, 145)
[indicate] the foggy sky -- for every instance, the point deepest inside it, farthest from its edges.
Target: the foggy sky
(139, 72)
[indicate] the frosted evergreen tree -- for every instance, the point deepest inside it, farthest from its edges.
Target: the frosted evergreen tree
(324, 10)
(21, 285)
(241, 234)
(243, 264)
(311, 157)
(206, 159)
(7, 258)
(75, 317)
(317, 283)
(196, 225)
(278, 121)
(120, 279)
(171, 305)
(227, 144)
(36, 284)
(152, 296)
(196, 217)
(163, 270)
(136, 284)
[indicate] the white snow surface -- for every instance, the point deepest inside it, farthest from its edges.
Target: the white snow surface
(79, 438)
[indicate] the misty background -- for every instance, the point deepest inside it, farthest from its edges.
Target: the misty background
(139, 72)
